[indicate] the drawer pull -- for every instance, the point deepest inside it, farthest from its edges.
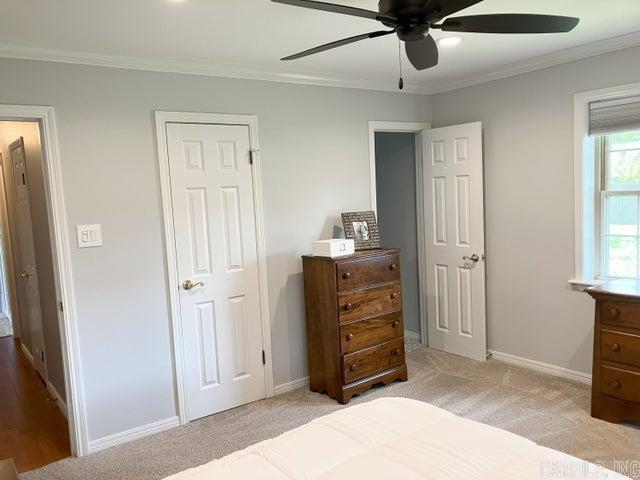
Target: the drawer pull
(393, 266)
(616, 384)
(395, 324)
(396, 352)
(615, 347)
(349, 337)
(614, 312)
(394, 295)
(353, 367)
(346, 275)
(348, 306)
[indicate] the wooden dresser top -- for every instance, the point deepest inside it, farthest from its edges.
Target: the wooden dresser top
(358, 255)
(626, 288)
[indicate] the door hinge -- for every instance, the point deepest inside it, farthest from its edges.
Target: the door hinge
(264, 358)
(42, 355)
(252, 153)
(61, 305)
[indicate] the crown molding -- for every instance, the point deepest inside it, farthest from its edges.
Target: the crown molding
(567, 55)
(172, 65)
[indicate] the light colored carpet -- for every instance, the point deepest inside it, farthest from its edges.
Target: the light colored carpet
(551, 411)
(5, 326)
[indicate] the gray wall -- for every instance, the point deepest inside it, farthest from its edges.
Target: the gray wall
(528, 148)
(10, 132)
(396, 201)
(314, 147)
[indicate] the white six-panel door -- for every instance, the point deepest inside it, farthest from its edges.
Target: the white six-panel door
(28, 287)
(454, 235)
(215, 240)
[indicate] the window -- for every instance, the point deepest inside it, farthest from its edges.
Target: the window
(618, 162)
(606, 185)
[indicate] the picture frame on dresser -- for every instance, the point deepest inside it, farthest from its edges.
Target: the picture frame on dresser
(362, 228)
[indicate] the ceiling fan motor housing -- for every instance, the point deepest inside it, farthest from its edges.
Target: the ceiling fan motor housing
(412, 20)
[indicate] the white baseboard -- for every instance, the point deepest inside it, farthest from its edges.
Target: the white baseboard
(133, 434)
(542, 367)
(27, 354)
(412, 335)
(54, 393)
(292, 385)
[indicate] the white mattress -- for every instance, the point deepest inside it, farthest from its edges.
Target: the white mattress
(396, 438)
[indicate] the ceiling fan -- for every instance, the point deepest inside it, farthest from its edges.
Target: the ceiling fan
(411, 20)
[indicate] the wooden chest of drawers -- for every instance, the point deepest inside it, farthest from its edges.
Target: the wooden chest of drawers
(355, 333)
(615, 392)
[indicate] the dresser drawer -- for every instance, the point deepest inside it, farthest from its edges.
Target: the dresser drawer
(620, 347)
(622, 314)
(361, 304)
(372, 360)
(620, 383)
(366, 333)
(356, 274)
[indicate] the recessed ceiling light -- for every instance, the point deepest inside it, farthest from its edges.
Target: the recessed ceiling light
(449, 41)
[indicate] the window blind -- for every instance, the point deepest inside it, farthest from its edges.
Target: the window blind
(614, 116)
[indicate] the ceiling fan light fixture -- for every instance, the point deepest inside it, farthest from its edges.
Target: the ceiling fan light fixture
(450, 41)
(411, 20)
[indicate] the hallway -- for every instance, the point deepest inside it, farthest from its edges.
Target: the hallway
(33, 430)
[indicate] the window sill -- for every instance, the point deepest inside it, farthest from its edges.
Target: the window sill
(582, 285)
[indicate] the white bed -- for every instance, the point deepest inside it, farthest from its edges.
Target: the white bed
(397, 438)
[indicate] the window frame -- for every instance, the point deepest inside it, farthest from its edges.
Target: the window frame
(586, 183)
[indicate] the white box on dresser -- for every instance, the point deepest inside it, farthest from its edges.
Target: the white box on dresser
(335, 247)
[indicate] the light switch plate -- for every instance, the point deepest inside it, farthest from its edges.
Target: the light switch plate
(89, 236)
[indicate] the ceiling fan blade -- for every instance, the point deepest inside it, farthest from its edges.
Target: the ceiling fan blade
(343, 9)
(422, 53)
(338, 43)
(509, 23)
(444, 8)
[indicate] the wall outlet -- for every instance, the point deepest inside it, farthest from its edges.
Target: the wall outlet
(89, 236)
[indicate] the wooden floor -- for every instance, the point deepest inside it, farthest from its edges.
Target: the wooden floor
(33, 430)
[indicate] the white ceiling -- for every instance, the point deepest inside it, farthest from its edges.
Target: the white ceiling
(247, 38)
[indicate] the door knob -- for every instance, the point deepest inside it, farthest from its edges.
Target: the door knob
(473, 258)
(188, 284)
(25, 274)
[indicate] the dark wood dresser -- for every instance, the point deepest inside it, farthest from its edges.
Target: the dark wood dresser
(355, 333)
(615, 394)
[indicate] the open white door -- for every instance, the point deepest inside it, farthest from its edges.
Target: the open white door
(454, 238)
(217, 264)
(28, 290)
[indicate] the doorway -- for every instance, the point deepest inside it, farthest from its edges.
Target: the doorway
(397, 203)
(31, 349)
(395, 156)
(210, 179)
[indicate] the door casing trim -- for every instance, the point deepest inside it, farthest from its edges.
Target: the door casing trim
(45, 116)
(162, 118)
